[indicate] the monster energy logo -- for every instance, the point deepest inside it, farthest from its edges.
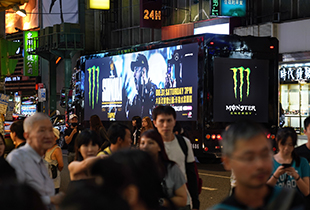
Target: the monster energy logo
(241, 70)
(93, 85)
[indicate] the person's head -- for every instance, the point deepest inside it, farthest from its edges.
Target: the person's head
(95, 123)
(136, 122)
(56, 134)
(15, 196)
(38, 131)
(147, 123)
(2, 145)
(120, 135)
(80, 196)
(17, 131)
(247, 151)
(133, 174)
(307, 127)
(140, 68)
(164, 119)
(73, 119)
(152, 142)
(286, 139)
(86, 145)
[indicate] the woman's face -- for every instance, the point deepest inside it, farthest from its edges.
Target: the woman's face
(287, 148)
(134, 123)
(144, 123)
(2, 147)
(150, 146)
(89, 150)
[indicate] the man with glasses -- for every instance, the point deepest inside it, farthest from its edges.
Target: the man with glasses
(247, 152)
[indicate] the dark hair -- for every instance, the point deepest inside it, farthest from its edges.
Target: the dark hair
(117, 130)
(95, 123)
(162, 155)
(127, 167)
(306, 122)
(17, 127)
(166, 110)
(90, 196)
(138, 122)
(282, 135)
(1, 137)
(84, 138)
(240, 131)
(15, 196)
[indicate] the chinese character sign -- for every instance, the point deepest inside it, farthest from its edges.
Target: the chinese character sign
(236, 8)
(294, 73)
(31, 64)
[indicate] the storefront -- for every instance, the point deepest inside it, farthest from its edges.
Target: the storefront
(295, 93)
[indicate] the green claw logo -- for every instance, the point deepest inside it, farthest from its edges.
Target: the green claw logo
(241, 70)
(93, 85)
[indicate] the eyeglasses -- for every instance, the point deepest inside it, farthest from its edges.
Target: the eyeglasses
(252, 158)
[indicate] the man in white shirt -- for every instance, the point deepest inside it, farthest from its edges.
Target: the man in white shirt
(164, 119)
(28, 160)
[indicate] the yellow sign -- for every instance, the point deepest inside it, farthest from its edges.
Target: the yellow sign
(99, 4)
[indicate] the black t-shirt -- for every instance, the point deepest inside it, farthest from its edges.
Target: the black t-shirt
(72, 143)
(303, 151)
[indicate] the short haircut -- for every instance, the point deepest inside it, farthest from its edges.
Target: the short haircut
(240, 131)
(117, 130)
(17, 127)
(166, 110)
(29, 121)
(306, 122)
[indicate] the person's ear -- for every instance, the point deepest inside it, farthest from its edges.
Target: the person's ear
(226, 162)
(131, 194)
(26, 135)
(119, 140)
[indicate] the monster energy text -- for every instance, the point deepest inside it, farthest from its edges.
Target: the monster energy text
(241, 70)
(93, 85)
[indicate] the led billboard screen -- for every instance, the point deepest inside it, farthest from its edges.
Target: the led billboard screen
(133, 84)
(240, 90)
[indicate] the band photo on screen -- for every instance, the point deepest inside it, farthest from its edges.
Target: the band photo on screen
(133, 84)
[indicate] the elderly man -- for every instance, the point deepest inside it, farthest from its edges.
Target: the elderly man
(247, 152)
(28, 160)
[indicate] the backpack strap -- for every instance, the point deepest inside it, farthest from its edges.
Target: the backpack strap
(183, 145)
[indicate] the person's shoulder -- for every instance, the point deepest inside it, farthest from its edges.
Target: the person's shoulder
(301, 147)
(227, 204)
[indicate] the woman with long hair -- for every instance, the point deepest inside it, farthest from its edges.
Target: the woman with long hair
(96, 125)
(146, 124)
(136, 131)
(289, 169)
(173, 181)
(86, 149)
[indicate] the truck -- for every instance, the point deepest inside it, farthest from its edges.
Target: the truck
(210, 80)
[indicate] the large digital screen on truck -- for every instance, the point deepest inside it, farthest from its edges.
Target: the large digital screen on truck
(133, 84)
(240, 90)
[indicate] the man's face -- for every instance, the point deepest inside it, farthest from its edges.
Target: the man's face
(251, 162)
(41, 136)
(165, 124)
(307, 131)
(74, 120)
(126, 143)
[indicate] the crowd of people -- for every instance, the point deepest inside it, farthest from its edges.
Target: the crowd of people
(148, 167)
